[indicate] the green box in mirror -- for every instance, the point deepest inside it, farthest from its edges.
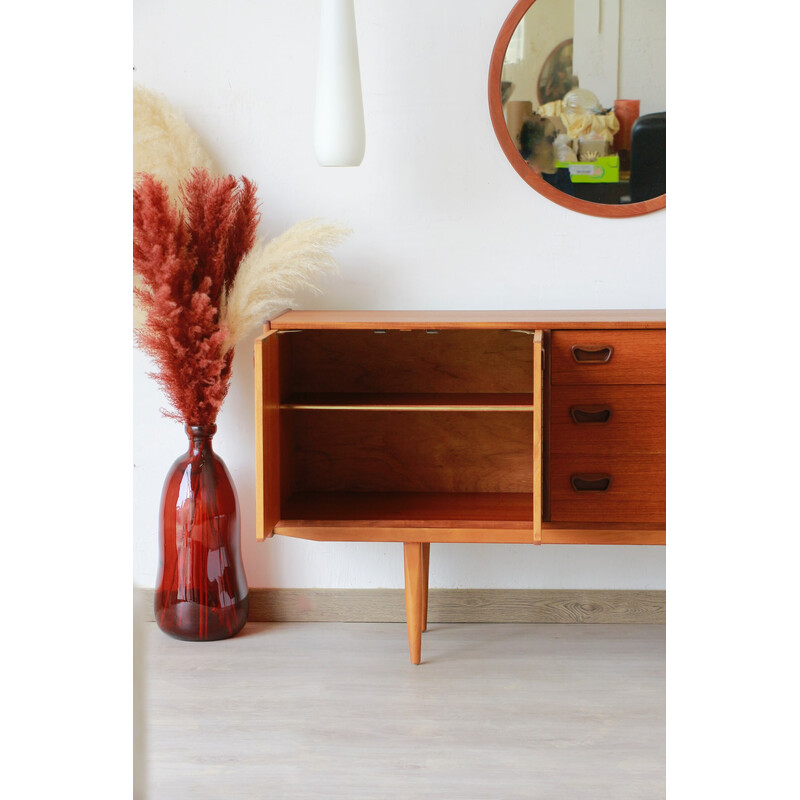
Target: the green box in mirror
(605, 169)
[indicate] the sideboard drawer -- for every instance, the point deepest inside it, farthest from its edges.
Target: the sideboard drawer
(607, 419)
(607, 488)
(605, 356)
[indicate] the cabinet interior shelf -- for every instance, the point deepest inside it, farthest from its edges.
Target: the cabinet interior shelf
(417, 401)
(431, 509)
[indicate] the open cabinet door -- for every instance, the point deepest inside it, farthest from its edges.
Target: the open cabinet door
(268, 449)
(538, 375)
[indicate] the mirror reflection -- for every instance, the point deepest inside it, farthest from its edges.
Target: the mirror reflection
(583, 91)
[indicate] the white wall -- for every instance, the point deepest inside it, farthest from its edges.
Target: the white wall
(643, 53)
(441, 221)
(547, 24)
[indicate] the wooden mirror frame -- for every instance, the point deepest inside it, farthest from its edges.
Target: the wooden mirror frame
(518, 162)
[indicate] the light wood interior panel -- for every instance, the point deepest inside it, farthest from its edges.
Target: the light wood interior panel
(269, 469)
(411, 361)
(373, 510)
(410, 401)
(414, 451)
(538, 439)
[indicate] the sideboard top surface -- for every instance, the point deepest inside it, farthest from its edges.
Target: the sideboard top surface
(416, 320)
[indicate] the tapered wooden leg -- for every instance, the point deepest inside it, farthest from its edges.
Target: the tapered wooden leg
(412, 557)
(426, 560)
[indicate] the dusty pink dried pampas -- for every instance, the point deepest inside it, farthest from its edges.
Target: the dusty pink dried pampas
(216, 275)
(187, 261)
(165, 147)
(205, 282)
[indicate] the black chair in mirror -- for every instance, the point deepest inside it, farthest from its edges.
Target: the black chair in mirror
(648, 157)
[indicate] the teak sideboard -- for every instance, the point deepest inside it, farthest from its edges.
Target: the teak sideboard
(539, 427)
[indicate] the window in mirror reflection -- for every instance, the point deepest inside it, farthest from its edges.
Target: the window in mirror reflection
(584, 96)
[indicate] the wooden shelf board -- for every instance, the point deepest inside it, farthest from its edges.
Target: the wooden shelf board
(500, 518)
(411, 509)
(325, 532)
(371, 401)
(442, 320)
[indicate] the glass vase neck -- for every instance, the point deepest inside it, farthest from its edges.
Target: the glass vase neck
(200, 435)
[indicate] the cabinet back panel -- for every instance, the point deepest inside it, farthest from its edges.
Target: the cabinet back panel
(410, 451)
(411, 361)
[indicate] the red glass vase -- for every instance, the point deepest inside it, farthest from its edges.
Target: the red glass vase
(201, 589)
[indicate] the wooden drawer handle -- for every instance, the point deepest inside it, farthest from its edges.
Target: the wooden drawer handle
(600, 354)
(594, 415)
(590, 483)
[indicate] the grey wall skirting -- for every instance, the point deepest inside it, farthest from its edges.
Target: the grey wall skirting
(454, 605)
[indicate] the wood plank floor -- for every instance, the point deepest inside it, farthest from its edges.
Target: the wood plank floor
(335, 710)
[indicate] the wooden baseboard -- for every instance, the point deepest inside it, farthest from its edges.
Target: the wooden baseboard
(455, 605)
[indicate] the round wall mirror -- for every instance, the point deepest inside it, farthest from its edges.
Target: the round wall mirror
(577, 98)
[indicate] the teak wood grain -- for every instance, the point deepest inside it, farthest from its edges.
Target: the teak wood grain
(469, 320)
(422, 427)
(407, 362)
(538, 396)
(414, 401)
(636, 419)
(452, 532)
(638, 357)
(410, 509)
(416, 451)
(268, 440)
(414, 576)
(637, 492)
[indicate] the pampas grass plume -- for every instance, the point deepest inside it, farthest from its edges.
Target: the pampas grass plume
(272, 273)
(163, 144)
(166, 147)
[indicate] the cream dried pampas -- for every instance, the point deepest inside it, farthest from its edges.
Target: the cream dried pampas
(163, 144)
(166, 147)
(272, 273)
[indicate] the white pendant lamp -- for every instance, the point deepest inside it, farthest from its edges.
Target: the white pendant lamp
(339, 138)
